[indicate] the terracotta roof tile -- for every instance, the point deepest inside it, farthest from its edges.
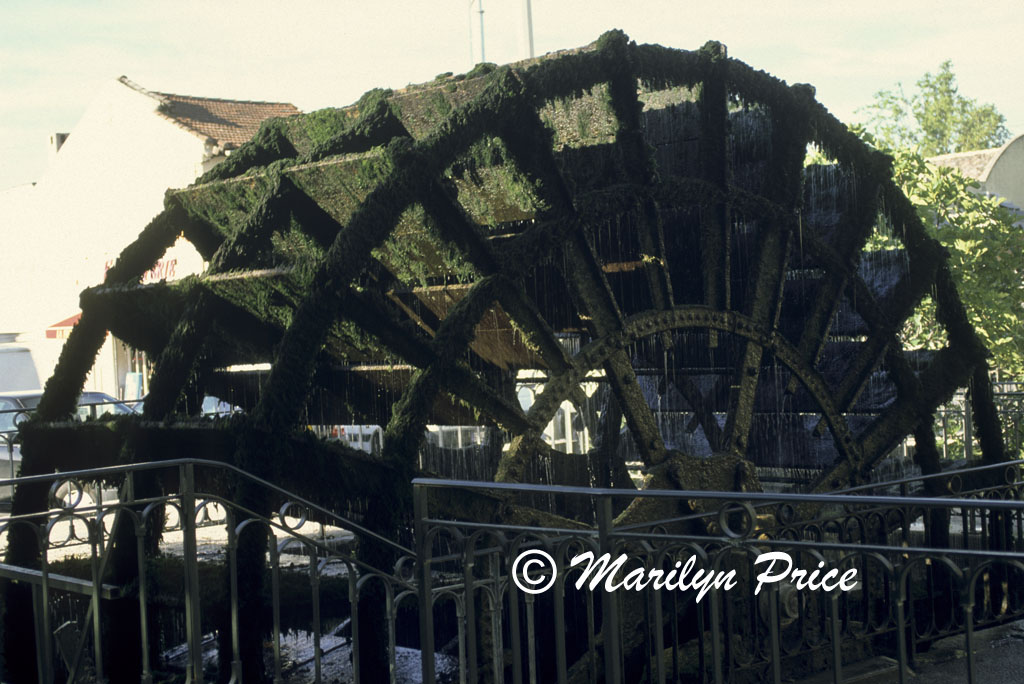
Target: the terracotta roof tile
(228, 122)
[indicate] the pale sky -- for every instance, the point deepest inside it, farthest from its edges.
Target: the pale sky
(55, 55)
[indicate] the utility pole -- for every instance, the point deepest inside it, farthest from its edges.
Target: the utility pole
(529, 27)
(480, 4)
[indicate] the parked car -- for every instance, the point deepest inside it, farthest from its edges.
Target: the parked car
(212, 406)
(17, 406)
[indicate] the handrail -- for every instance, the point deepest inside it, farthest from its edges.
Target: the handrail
(108, 471)
(187, 501)
(885, 568)
(959, 472)
(76, 585)
(839, 499)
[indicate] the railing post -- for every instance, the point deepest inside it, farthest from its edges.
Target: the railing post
(967, 602)
(468, 581)
(591, 638)
(96, 544)
(717, 654)
(275, 607)
(773, 630)
(44, 645)
(497, 644)
(609, 606)
(460, 627)
(837, 645)
(531, 638)
(193, 625)
(514, 627)
(236, 648)
(659, 637)
(423, 549)
(901, 630)
(38, 608)
(392, 618)
(314, 581)
(140, 552)
(353, 602)
(559, 598)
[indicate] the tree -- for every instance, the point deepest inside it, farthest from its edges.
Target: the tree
(936, 119)
(986, 248)
(986, 256)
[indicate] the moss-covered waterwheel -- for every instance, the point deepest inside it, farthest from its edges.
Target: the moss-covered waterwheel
(403, 258)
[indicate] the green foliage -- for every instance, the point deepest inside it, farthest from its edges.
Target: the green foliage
(270, 144)
(322, 125)
(481, 69)
(986, 257)
(936, 119)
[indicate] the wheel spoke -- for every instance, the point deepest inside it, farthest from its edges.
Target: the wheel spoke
(766, 295)
(715, 224)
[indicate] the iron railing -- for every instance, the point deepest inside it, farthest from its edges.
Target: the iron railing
(68, 525)
(954, 426)
(909, 592)
(927, 568)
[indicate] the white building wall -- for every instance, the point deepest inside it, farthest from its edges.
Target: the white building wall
(1006, 177)
(106, 183)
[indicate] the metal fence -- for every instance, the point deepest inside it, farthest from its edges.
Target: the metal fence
(954, 427)
(925, 569)
(298, 546)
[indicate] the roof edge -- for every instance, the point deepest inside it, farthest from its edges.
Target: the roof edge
(139, 89)
(164, 103)
(994, 153)
(995, 158)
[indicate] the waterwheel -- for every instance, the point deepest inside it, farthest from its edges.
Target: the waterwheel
(630, 218)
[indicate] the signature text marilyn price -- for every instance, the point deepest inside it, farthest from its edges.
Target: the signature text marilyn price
(534, 572)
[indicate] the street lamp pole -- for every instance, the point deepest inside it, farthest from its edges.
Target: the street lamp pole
(480, 3)
(529, 26)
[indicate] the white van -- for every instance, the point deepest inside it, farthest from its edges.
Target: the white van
(18, 369)
(368, 438)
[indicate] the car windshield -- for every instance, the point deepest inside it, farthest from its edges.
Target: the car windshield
(31, 402)
(96, 404)
(8, 409)
(90, 405)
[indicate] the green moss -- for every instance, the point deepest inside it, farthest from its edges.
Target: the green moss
(315, 128)
(418, 257)
(372, 122)
(440, 105)
(296, 250)
(224, 207)
(270, 144)
(372, 99)
(481, 69)
(490, 187)
(581, 121)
